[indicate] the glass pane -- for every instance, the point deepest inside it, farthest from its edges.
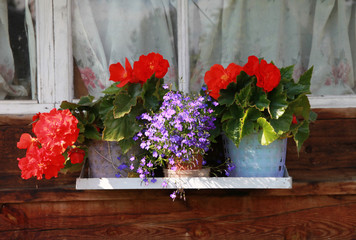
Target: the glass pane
(303, 33)
(17, 50)
(106, 32)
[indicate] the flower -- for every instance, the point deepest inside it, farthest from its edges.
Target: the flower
(76, 155)
(177, 134)
(263, 99)
(66, 133)
(121, 75)
(56, 131)
(218, 78)
(148, 65)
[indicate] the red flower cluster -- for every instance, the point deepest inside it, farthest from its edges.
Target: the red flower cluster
(143, 69)
(55, 131)
(267, 74)
(217, 78)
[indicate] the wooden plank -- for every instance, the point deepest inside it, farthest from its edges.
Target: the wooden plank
(318, 217)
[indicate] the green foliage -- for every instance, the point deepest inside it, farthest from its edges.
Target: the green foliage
(245, 108)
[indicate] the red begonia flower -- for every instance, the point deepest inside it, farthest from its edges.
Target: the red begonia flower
(270, 76)
(267, 74)
(120, 74)
(218, 78)
(294, 121)
(39, 161)
(76, 155)
(148, 65)
(57, 130)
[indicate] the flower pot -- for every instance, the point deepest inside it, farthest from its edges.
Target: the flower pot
(188, 170)
(251, 159)
(105, 157)
(204, 172)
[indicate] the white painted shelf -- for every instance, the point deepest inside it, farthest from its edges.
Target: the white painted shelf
(187, 183)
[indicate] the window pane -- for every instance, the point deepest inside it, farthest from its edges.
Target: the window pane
(17, 50)
(106, 32)
(303, 33)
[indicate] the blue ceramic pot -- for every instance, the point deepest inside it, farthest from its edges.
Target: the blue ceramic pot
(251, 159)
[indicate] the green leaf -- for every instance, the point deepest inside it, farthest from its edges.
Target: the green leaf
(283, 123)
(86, 100)
(68, 105)
(301, 134)
(248, 121)
(123, 104)
(301, 107)
(278, 103)
(113, 89)
(234, 112)
(242, 80)
(313, 116)
(259, 99)
(232, 129)
(152, 93)
(91, 132)
(106, 105)
(267, 135)
(287, 72)
(227, 96)
(117, 129)
(243, 97)
(306, 77)
(126, 144)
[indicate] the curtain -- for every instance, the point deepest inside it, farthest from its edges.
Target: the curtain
(106, 32)
(8, 87)
(305, 33)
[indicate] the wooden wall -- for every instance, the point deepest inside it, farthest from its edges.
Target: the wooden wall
(321, 204)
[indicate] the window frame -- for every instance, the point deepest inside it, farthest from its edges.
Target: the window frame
(55, 61)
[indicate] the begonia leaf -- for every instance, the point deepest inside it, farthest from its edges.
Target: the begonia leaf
(301, 134)
(248, 121)
(267, 135)
(278, 103)
(259, 99)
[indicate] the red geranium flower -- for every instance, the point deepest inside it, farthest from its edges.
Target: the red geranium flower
(27, 141)
(39, 161)
(119, 74)
(218, 78)
(57, 130)
(267, 74)
(148, 65)
(76, 155)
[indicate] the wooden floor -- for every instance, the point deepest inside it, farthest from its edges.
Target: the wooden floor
(321, 204)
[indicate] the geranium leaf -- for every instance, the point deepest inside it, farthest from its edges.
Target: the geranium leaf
(259, 99)
(267, 135)
(278, 103)
(301, 134)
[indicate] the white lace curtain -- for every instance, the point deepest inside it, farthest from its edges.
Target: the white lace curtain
(306, 33)
(7, 67)
(106, 32)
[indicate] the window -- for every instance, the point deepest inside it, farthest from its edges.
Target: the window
(192, 35)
